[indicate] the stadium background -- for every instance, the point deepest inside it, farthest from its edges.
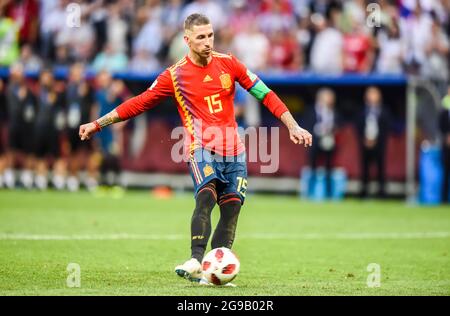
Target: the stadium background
(291, 44)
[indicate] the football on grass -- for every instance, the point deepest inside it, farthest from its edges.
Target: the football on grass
(220, 266)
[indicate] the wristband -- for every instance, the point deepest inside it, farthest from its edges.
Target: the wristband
(97, 126)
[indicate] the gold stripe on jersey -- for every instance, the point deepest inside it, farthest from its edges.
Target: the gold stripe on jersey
(179, 97)
(220, 55)
(179, 63)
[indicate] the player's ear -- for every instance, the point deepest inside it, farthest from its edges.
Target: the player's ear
(186, 39)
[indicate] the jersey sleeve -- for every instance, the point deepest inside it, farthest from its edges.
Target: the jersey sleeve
(243, 76)
(161, 88)
(256, 87)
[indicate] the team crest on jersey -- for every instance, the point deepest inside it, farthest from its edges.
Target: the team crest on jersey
(208, 170)
(225, 80)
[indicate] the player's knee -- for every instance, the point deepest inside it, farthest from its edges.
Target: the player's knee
(230, 205)
(206, 198)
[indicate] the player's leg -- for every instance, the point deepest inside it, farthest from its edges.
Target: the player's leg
(205, 180)
(201, 219)
(200, 232)
(230, 207)
(231, 198)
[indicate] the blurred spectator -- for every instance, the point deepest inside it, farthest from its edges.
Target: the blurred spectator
(392, 51)
(171, 17)
(153, 30)
(373, 130)
(144, 63)
(357, 49)
(210, 8)
(52, 22)
(415, 29)
(302, 8)
(29, 60)
(62, 57)
(276, 16)
(110, 60)
(328, 39)
(25, 14)
(252, 47)
(435, 65)
(241, 18)
(444, 126)
(117, 29)
(178, 48)
(108, 96)
(79, 40)
(284, 53)
(356, 11)
(304, 38)
(322, 121)
(79, 99)
(9, 44)
(21, 108)
(49, 125)
(98, 17)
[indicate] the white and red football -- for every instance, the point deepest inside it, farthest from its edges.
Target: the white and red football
(220, 266)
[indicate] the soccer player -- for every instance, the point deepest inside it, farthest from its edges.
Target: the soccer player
(202, 84)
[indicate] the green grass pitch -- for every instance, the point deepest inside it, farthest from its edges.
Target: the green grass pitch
(130, 246)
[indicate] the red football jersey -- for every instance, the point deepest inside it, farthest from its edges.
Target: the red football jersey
(204, 97)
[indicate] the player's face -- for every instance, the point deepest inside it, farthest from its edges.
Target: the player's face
(200, 40)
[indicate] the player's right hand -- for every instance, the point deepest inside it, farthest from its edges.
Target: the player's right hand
(87, 131)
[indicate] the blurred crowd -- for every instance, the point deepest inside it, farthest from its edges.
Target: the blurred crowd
(144, 36)
(39, 130)
(385, 36)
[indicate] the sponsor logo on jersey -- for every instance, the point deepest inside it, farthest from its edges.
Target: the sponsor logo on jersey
(207, 78)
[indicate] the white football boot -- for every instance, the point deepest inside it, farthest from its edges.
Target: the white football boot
(190, 270)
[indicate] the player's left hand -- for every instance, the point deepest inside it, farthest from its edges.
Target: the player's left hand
(300, 136)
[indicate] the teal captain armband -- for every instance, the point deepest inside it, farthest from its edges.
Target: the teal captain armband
(259, 90)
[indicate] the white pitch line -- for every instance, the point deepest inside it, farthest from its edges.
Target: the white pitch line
(306, 236)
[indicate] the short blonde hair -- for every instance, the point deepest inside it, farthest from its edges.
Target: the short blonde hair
(195, 19)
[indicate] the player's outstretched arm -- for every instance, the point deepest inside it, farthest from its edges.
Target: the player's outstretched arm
(269, 98)
(162, 87)
(256, 87)
(88, 130)
(297, 134)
